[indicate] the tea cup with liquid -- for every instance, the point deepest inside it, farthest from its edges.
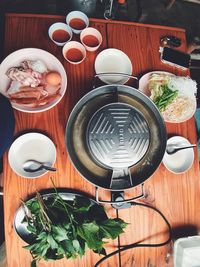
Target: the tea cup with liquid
(78, 21)
(60, 33)
(91, 38)
(74, 52)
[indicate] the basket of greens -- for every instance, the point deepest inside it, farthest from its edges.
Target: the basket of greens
(64, 225)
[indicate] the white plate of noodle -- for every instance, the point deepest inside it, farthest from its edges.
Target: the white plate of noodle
(179, 103)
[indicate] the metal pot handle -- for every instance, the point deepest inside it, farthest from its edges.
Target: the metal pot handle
(119, 202)
(111, 74)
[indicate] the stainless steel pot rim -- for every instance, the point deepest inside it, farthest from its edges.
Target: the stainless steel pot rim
(76, 128)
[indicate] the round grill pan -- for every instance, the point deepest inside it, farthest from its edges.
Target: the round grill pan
(118, 137)
(98, 170)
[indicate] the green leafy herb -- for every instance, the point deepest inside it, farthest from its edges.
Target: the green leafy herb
(161, 91)
(165, 98)
(66, 228)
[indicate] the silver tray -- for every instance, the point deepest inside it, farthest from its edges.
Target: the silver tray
(21, 228)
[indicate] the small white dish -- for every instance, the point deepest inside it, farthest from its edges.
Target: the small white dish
(91, 38)
(31, 146)
(74, 52)
(110, 61)
(77, 20)
(60, 33)
(182, 160)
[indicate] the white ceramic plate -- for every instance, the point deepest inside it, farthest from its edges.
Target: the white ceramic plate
(113, 60)
(182, 160)
(34, 146)
(52, 63)
(143, 86)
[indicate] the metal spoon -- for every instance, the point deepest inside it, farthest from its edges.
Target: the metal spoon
(171, 149)
(34, 166)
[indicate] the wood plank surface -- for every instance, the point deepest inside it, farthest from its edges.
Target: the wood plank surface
(32, 31)
(172, 194)
(175, 195)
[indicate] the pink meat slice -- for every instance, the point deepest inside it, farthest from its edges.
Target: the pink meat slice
(30, 93)
(25, 77)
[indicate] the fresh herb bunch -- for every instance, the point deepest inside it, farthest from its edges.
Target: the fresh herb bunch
(165, 98)
(66, 228)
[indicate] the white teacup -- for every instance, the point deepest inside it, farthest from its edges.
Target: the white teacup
(60, 33)
(77, 20)
(74, 52)
(91, 38)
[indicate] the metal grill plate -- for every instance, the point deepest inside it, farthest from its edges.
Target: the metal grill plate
(118, 136)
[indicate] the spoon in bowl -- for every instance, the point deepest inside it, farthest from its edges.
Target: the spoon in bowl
(34, 166)
(171, 149)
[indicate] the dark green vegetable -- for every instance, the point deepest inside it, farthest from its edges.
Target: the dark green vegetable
(164, 99)
(63, 228)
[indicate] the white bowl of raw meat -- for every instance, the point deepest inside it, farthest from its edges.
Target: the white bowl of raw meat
(174, 96)
(33, 79)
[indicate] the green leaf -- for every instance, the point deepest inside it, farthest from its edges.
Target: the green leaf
(53, 244)
(42, 236)
(31, 229)
(82, 204)
(43, 250)
(59, 233)
(112, 228)
(76, 245)
(90, 233)
(102, 251)
(67, 246)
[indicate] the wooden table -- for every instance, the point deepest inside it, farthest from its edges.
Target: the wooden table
(177, 196)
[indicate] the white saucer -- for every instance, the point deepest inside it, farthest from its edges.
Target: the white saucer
(31, 146)
(182, 160)
(113, 60)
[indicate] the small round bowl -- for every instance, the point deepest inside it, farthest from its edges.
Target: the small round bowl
(182, 160)
(113, 61)
(60, 33)
(77, 20)
(91, 38)
(74, 52)
(33, 146)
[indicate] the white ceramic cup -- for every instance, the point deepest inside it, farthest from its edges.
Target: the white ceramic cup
(65, 31)
(74, 52)
(78, 16)
(91, 38)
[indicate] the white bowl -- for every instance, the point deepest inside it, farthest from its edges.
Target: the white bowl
(59, 26)
(110, 61)
(91, 32)
(74, 45)
(77, 15)
(182, 160)
(52, 63)
(33, 146)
